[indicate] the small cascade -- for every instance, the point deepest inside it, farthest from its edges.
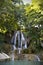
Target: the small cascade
(12, 56)
(23, 41)
(37, 58)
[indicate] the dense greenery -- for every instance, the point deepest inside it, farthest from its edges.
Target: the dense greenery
(14, 14)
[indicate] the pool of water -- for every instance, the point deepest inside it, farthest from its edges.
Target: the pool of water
(20, 62)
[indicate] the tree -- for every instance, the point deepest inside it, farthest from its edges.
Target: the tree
(34, 22)
(38, 4)
(7, 18)
(11, 14)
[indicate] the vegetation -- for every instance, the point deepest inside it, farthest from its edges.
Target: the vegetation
(29, 18)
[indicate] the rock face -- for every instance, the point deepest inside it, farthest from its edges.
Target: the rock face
(29, 57)
(4, 56)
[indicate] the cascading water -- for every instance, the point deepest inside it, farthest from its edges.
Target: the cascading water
(23, 41)
(19, 39)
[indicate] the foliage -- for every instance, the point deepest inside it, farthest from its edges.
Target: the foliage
(14, 14)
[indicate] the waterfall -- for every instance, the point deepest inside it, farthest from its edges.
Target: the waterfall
(37, 57)
(21, 41)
